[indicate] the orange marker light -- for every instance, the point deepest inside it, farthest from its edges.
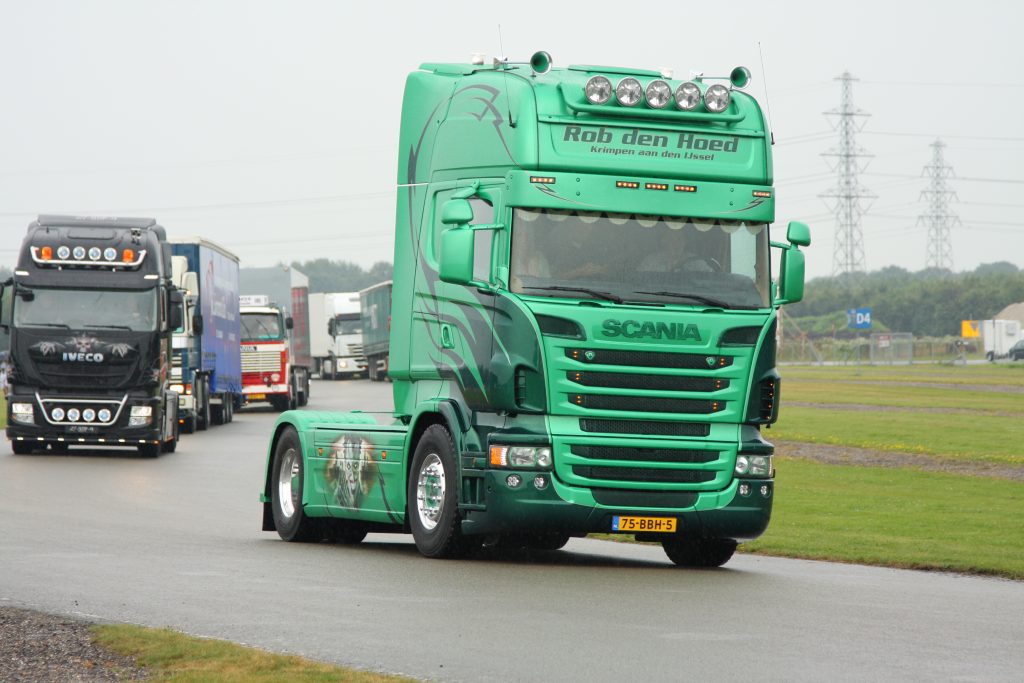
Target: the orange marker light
(498, 456)
(128, 255)
(46, 253)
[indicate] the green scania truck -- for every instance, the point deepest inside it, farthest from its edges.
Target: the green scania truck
(583, 325)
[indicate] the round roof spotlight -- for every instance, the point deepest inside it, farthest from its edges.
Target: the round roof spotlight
(79, 253)
(95, 253)
(57, 414)
(73, 415)
(659, 94)
(629, 92)
(598, 90)
(63, 252)
(110, 253)
(717, 98)
(688, 96)
(103, 415)
(88, 414)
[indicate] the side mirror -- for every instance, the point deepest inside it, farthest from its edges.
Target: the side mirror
(799, 234)
(176, 310)
(289, 323)
(457, 254)
(791, 283)
(456, 212)
(197, 324)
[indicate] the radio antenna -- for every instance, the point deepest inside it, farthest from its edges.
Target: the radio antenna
(504, 78)
(767, 104)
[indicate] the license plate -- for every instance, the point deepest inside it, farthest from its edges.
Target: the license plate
(256, 397)
(81, 429)
(664, 525)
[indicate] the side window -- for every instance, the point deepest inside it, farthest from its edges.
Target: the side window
(483, 214)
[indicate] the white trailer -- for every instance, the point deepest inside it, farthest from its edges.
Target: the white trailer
(998, 336)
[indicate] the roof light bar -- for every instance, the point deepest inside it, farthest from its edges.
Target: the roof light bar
(66, 256)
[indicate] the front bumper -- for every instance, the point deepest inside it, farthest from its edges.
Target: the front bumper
(115, 431)
(713, 514)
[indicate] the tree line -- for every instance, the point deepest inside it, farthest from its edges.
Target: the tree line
(928, 303)
(326, 275)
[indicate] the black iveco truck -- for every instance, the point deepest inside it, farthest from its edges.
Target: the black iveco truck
(90, 310)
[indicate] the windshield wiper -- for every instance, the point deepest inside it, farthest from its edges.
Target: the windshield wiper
(109, 327)
(63, 326)
(697, 297)
(607, 296)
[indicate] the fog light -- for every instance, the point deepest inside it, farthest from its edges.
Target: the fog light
(73, 415)
(275, 376)
(744, 490)
(766, 490)
(88, 414)
(513, 481)
(104, 415)
(540, 482)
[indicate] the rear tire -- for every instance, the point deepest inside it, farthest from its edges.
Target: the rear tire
(699, 552)
(433, 495)
(286, 488)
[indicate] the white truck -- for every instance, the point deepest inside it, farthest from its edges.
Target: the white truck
(335, 335)
(998, 336)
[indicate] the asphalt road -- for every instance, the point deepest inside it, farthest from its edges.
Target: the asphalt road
(176, 542)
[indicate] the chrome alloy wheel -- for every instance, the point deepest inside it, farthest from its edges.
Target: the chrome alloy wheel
(430, 491)
(289, 485)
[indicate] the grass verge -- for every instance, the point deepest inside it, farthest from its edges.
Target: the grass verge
(896, 518)
(977, 436)
(170, 656)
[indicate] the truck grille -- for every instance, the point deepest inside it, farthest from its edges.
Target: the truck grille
(656, 413)
(261, 361)
(355, 349)
(96, 376)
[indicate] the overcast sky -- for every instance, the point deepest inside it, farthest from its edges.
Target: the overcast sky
(272, 127)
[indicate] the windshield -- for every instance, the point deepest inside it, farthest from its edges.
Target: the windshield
(631, 257)
(348, 324)
(88, 309)
(261, 326)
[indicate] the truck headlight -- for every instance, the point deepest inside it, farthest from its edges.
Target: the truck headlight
(23, 413)
(178, 388)
(754, 465)
(521, 457)
(140, 416)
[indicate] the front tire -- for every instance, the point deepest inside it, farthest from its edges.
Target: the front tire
(699, 552)
(286, 482)
(433, 495)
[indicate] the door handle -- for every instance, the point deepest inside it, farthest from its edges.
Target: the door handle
(447, 336)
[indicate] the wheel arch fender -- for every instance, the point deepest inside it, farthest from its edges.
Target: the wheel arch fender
(282, 424)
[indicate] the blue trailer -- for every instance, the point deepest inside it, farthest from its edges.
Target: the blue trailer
(206, 367)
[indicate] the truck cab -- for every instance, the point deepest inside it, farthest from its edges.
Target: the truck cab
(90, 311)
(583, 319)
